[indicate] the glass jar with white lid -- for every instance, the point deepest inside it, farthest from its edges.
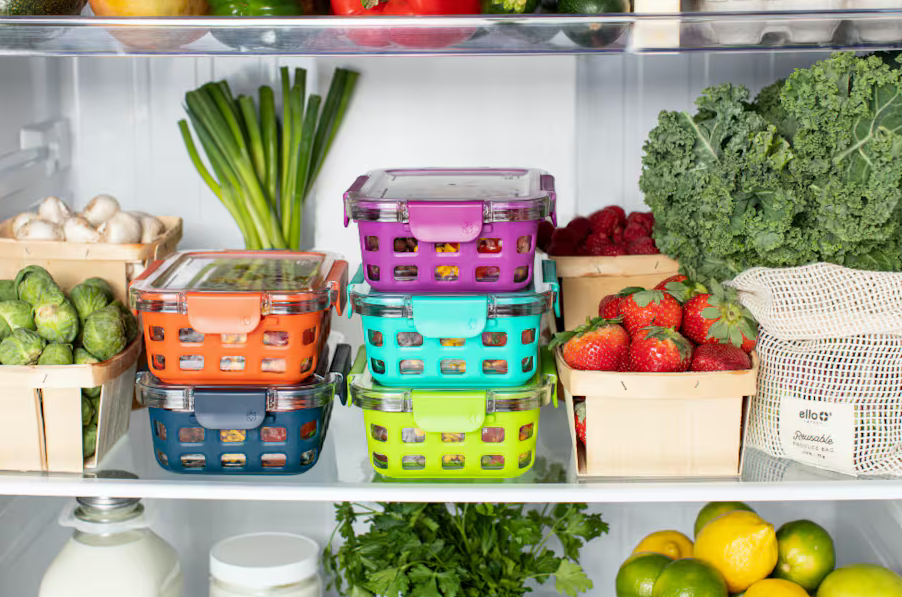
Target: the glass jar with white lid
(265, 565)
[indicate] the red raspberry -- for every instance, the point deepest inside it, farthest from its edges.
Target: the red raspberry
(614, 250)
(644, 219)
(565, 236)
(605, 220)
(596, 243)
(643, 246)
(580, 226)
(543, 236)
(561, 249)
(634, 231)
(617, 235)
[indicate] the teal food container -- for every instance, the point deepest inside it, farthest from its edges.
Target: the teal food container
(453, 340)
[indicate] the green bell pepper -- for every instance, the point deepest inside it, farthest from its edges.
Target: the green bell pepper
(509, 6)
(256, 8)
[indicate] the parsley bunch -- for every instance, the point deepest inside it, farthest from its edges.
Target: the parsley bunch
(458, 550)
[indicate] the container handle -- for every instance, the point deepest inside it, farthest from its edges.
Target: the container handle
(548, 369)
(436, 412)
(357, 368)
(338, 282)
(341, 365)
(228, 312)
(549, 276)
(546, 182)
(430, 315)
(355, 188)
(445, 221)
(229, 409)
(355, 281)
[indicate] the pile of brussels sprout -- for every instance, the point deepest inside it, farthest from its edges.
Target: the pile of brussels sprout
(40, 325)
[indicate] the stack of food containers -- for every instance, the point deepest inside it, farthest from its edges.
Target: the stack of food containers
(236, 346)
(451, 380)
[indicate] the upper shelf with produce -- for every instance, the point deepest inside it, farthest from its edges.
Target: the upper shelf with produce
(456, 35)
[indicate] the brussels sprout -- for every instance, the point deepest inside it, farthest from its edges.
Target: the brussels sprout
(103, 286)
(83, 357)
(91, 393)
(87, 298)
(56, 323)
(8, 290)
(89, 440)
(130, 321)
(4, 329)
(56, 354)
(87, 411)
(17, 314)
(33, 282)
(22, 347)
(104, 333)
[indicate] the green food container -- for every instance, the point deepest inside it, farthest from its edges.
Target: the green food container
(442, 434)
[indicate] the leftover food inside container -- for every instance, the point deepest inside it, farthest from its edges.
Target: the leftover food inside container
(409, 339)
(193, 461)
(528, 336)
(453, 438)
(189, 336)
(405, 273)
(494, 367)
(157, 334)
(160, 429)
(272, 365)
(380, 460)
(199, 272)
(232, 436)
(233, 339)
(371, 243)
(525, 459)
(308, 457)
(375, 338)
(273, 434)
(453, 461)
(447, 273)
(526, 432)
(191, 362)
(524, 244)
(273, 460)
(306, 364)
(412, 435)
(447, 247)
(309, 336)
(494, 339)
(308, 430)
(378, 366)
(527, 364)
(159, 361)
(411, 366)
(192, 435)
(162, 458)
(492, 462)
(379, 433)
(406, 245)
(372, 272)
(231, 364)
(413, 462)
(521, 273)
(453, 366)
(493, 435)
(276, 338)
(487, 273)
(452, 342)
(233, 461)
(489, 245)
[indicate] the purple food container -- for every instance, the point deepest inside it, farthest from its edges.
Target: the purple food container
(450, 229)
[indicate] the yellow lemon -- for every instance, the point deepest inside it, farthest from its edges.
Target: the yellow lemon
(741, 546)
(673, 544)
(714, 509)
(775, 587)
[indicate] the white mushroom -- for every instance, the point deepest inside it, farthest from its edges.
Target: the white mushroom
(52, 209)
(100, 209)
(151, 227)
(79, 230)
(22, 219)
(121, 229)
(40, 230)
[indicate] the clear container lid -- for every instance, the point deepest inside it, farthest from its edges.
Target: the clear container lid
(369, 395)
(491, 194)
(314, 392)
(269, 282)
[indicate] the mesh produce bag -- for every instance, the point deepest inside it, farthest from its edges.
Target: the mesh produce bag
(830, 373)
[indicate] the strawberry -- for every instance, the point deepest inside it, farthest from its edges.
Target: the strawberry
(719, 318)
(609, 306)
(720, 357)
(596, 243)
(613, 250)
(650, 307)
(661, 350)
(543, 236)
(599, 345)
(662, 285)
(605, 220)
(580, 226)
(642, 246)
(579, 420)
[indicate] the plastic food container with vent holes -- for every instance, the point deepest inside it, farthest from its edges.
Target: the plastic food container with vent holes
(238, 317)
(449, 230)
(449, 340)
(429, 434)
(241, 430)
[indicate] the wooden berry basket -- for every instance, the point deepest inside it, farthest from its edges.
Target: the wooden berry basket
(659, 424)
(586, 280)
(42, 408)
(69, 262)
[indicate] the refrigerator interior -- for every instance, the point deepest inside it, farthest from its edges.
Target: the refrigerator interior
(862, 531)
(110, 125)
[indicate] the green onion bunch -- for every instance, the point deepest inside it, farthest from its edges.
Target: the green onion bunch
(263, 171)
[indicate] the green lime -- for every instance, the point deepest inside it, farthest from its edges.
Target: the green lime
(638, 574)
(715, 509)
(806, 554)
(861, 580)
(690, 578)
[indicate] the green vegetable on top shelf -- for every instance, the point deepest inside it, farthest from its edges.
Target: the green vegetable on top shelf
(17, 314)
(41, 7)
(809, 171)
(22, 347)
(8, 290)
(56, 323)
(509, 6)
(105, 333)
(264, 171)
(433, 550)
(56, 354)
(256, 8)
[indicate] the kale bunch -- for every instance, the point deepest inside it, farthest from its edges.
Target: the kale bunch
(809, 171)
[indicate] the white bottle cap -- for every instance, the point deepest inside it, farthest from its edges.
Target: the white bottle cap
(264, 560)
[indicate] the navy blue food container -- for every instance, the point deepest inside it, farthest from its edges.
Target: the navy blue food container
(227, 430)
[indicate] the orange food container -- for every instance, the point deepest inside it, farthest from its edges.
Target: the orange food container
(238, 317)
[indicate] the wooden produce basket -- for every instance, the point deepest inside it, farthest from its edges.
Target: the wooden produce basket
(42, 409)
(659, 424)
(71, 263)
(586, 280)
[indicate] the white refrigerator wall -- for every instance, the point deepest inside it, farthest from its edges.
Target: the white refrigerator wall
(862, 531)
